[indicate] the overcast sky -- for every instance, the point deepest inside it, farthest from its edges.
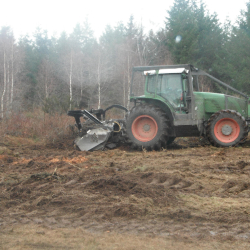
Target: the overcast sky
(23, 16)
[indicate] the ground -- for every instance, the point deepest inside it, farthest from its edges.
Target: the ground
(189, 196)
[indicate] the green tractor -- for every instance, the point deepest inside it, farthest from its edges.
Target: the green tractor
(177, 101)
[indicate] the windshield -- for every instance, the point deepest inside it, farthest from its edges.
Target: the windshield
(168, 86)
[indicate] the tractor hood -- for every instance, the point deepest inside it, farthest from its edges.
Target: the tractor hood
(213, 102)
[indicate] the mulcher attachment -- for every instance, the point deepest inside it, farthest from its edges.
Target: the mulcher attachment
(95, 139)
(95, 134)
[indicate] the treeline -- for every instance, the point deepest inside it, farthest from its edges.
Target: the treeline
(78, 71)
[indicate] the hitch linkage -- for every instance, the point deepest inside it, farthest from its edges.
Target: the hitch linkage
(100, 114)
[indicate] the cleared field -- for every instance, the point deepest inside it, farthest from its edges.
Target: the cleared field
(192, 195)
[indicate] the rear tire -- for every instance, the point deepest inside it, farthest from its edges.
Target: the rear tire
(147, 127)
(227, 128)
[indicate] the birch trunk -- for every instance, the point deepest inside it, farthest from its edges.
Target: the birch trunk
(81, 83)
(124, 90)
(8, 88)
(99, 85)
(4, 85)
(46, 81)
(128, 97)
(12, 76)
(70, 81)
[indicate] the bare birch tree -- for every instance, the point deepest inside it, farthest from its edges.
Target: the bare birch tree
(7, 52)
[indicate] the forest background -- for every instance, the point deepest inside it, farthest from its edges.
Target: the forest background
(79, 71)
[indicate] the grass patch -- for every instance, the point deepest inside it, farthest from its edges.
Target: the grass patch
(37, 126)
(212, 204)
(142, 168)
(37, 237)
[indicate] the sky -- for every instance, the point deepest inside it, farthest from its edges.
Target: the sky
(56, 16)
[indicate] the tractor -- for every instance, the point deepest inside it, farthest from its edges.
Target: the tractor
(170, 101)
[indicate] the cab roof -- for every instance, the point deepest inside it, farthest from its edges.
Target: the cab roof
(166, 71)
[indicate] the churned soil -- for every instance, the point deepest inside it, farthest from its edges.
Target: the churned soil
(190, 190)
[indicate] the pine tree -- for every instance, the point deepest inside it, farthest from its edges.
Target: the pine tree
(238, 52)
(193, 35)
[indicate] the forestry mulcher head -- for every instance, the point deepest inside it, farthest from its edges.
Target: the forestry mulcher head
(96, 133)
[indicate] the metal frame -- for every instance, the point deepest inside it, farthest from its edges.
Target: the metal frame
(203, 73)
(194, 72)
(77, 114)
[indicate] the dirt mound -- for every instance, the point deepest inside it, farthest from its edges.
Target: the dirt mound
(236, 187)
(132, 184)
(167, 180)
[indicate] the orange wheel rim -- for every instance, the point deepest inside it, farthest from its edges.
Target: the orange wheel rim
(226, 130)
(144, 128)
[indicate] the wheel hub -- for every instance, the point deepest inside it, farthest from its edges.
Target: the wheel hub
(226, 130)
(146, 127)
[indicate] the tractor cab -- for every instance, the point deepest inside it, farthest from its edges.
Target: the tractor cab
(168, 85)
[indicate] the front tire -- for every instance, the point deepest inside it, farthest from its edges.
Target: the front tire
(147, 127)
(227, 128)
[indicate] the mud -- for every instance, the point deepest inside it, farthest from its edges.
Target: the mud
(191, 189)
